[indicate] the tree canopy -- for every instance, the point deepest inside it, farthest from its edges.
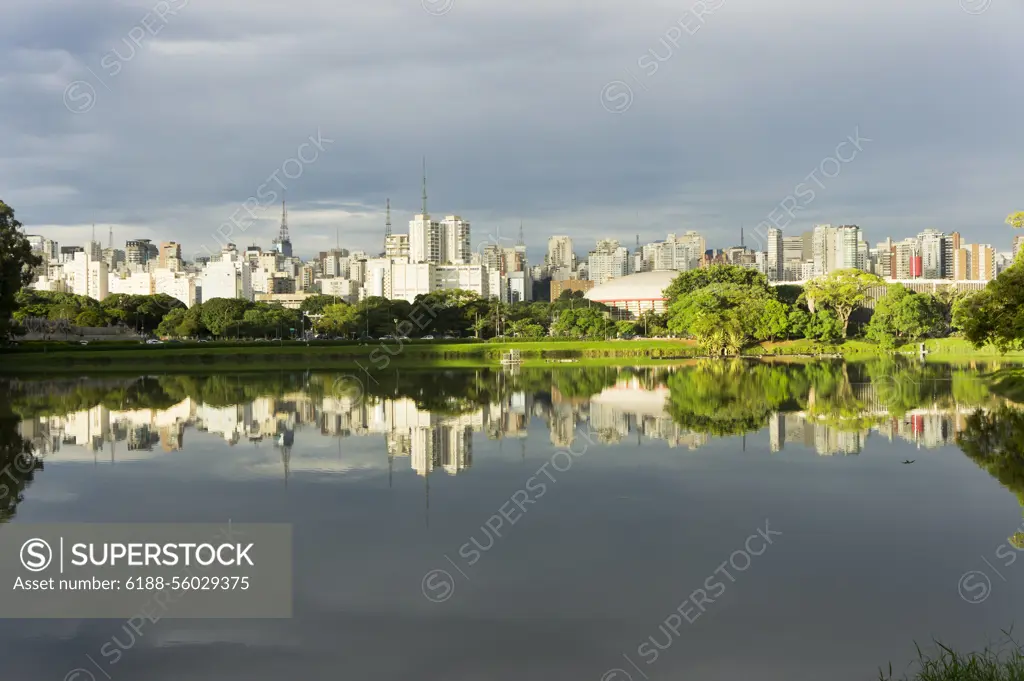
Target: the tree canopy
(902, 316)
(996, 314)
(16, 263)
(692, 280)
(842, 292)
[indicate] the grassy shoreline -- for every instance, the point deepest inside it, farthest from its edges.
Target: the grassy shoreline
(62, 358)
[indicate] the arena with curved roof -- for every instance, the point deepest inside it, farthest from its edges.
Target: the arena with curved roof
(632, 295)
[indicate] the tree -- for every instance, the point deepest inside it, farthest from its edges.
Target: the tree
(525, 328)
(772, 321)
(651, 323)
(996, 314)
(222, 316)
(169, 325)
(339, 320)
(91, 317)
(722, 316)
(824, 326)
(626, 328)
(902, 316)
(16, 263)
(1016, 220)
(693, 280)
(842, 291)
(798, 321)
(584, 322)
(315, 304)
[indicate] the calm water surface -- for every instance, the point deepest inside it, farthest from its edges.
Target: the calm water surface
(548, 524)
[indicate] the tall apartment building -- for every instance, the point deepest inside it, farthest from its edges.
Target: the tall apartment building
(396, 246)
(230, 276)
(975, 262)
(847, 248)
(424, 239)
(776, 253)
(455, 241)
(560, 253)
(335, 263)
(933, 254)
(792, 248)
(905, 260)
(85, 276)
(607, 261)
(694, 240)
(43, 247)
(139, 252)
(674, 253)
(824, 249)
(169, 257)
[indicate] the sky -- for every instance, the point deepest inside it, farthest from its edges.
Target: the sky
(596, 119)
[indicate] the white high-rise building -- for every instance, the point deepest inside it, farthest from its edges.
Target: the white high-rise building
(608, 261)
(455, 241)
(675, 253)
(465, 277)
(560, 253)
(695, 241)
(409, 280)
(774, 263)
(824, 249)
(228, 277)
(424, 239)
(335, 263)
(396, 246)
(933, 253)
(520, 287)
(847, 247)
(86, 277)
(176, 284)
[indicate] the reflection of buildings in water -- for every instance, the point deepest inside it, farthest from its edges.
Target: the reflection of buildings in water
(926, 428)
(93, 429)
(634, 406)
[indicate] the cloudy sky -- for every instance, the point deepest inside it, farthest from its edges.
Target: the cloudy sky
(587, 117)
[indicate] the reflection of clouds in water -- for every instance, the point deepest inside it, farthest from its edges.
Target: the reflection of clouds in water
(52, 494)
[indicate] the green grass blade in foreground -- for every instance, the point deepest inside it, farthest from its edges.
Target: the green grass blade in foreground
(995, 663)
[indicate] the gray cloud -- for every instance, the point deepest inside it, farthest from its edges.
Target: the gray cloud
(505, 100)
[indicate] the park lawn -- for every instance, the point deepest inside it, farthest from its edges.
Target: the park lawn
(376, 356)
(373, 356)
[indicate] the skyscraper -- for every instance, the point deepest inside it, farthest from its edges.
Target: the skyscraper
(560, 252)
(607, 261)
(933, 253)
(824, 248)
(283, 242)
(455, 241)
(847, 247)
(775, 254)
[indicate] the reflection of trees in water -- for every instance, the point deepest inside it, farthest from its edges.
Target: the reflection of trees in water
(731, 397)
(995, 441)
(18, 464)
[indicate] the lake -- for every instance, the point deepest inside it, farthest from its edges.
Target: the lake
(718, 521)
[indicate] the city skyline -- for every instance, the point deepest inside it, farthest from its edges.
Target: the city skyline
(524, 142)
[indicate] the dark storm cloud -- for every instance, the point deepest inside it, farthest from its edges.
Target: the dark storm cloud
(505, 101)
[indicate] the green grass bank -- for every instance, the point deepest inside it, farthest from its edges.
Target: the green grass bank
(121, 357)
